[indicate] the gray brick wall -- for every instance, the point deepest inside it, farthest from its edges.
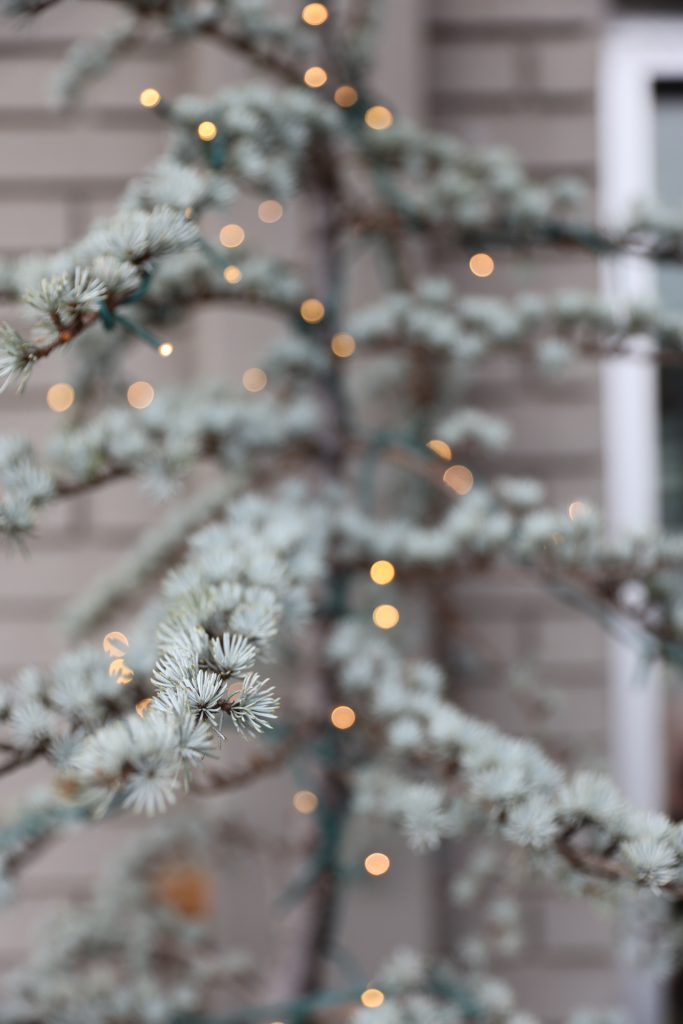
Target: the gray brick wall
(520, 72)
(57, 172)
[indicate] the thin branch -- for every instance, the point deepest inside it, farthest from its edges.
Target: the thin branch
(604, 868)
(19, 759)
(68, 488)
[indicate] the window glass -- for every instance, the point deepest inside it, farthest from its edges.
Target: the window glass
(669, 161)
(669, 158)
(649, 6)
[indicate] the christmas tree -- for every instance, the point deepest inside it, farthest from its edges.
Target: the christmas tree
(351, 461)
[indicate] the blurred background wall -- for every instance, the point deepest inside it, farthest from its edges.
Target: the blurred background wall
(516, 72)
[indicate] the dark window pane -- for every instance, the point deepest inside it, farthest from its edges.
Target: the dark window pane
(649, 6)
(669, 158)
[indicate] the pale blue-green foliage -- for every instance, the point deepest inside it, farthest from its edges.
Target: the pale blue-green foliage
(287, 557)
(509, 783)
(271, 133)
(245, 578)
(129, 922)
(550, 331)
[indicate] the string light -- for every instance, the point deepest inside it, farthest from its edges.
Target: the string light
(60, 397)
(254, 379)
(142, 706)
(315, 77)
(345, 96)
(577, 510)
(482, 265)
(385, 616)
(269, 211)
(231, 236)
(312, 311)
(441, 448)
(119, 668)
(377, 864)
(459, 478)
(165, 349)
(343, 717)
(140, 394)
(314, 14)
(382, 572)
(232, 274)
(150, 97)
(372, 997)
(379, 118)
(305, 802)
(206, 131)
(113, 645)
(113, 642)
(343, 344)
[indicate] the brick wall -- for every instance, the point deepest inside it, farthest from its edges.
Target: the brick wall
(520, 72)
(57, 172)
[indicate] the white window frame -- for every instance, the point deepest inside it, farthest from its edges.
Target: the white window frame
(636, 53)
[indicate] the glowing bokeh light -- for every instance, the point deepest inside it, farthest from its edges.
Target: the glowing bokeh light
(312, 311)
(270, 211)
(372, 997)
(314, 14)
(119, 668)
(459, 478)
(385, 616)
(206, 131)
(315, 77)
(254, 379)
(382, 572)
(231, 236)
(343, 717)
(140, 394)
(165, 349)
(482, 265)
(441, 448)
(343, 344)
(150, 97)
(345, 96)
(379, 118)
(578, 509)
(142, 706)
(113, 642)
(305, 802)
(60, 397)
(377, 864)
(232, 274)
